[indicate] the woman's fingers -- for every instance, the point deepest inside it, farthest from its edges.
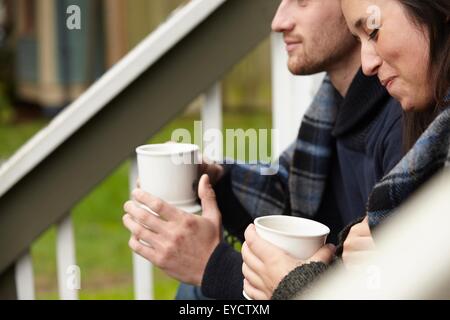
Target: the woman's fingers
(254, 293)
(359, 244)
(263, 250)
(361, 229)
(325, 254)
(251, 260)
(253, 278)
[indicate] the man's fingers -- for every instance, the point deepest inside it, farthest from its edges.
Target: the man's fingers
(144, 251)
(144, 217)
(140, 232)
(209, 202)
(158, 206)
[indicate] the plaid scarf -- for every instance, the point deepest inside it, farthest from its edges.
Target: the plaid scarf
(298, 186)
(430, 154)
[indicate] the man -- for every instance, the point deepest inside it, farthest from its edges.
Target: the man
(348, 140)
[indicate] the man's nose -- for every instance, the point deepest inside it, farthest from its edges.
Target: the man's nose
(283, 21)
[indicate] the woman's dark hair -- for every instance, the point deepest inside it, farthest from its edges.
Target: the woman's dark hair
(434, 15)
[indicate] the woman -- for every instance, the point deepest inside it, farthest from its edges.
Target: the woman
(407, 44)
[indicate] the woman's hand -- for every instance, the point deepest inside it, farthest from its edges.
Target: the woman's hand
(358, 245)
(265, 265)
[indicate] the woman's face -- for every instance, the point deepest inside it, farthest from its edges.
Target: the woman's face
(394, 48)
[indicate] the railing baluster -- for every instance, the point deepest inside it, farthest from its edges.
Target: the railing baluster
(68, 271)
(212, 120)
(142, 269)
(291, 96)
(25, 278)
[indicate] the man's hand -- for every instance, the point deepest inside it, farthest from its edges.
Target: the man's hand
(177, 242)
(358, 245)
(214, 171)
(265, 265)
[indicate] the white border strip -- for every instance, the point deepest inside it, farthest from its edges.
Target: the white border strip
(411, 260)
(183, 21)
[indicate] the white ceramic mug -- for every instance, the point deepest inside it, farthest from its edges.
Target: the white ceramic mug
(299, 237)
(170, 172)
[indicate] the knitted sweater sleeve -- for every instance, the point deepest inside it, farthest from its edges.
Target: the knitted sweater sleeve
(299, 280)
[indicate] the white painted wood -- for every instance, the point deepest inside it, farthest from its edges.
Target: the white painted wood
(25, 278)
(142, 268)
(212, 120)
(291, 96)
(411, 260)
(143, 278)
(105, 89)
(68, 271)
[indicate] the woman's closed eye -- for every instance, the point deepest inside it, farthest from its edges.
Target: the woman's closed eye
(373, 34)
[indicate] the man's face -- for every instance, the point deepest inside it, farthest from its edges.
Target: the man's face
(315, 33)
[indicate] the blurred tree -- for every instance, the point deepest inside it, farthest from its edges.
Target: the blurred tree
(248, 86)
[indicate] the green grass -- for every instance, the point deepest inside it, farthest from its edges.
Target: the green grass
(101, 240)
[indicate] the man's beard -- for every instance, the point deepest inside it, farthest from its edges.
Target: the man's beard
(308, 64)
(306, 67)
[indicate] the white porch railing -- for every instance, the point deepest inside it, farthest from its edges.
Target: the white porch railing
(105, 89)
(25, 278)
(181, 22)
(142, 269)
(212, 119)
(292, 96)
(66, 261)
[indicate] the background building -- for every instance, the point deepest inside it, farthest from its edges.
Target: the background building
(54, 65)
